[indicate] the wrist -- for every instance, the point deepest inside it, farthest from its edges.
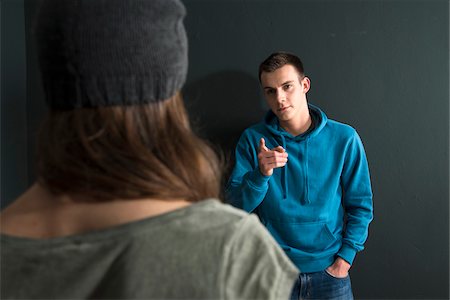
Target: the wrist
(265, 173)
(342, 263)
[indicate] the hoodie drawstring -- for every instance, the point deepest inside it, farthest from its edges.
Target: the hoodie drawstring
(284, 184)
(306, 172)
(284, 174)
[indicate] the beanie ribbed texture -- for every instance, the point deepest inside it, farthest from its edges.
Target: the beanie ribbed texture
(95, 53)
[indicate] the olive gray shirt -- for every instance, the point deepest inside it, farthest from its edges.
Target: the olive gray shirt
(208, 250)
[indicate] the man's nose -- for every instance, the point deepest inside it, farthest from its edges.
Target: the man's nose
(281, 96)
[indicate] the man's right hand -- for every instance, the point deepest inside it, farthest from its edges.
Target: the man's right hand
(270, 159)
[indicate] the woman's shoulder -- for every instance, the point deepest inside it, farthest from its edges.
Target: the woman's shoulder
(213, 213)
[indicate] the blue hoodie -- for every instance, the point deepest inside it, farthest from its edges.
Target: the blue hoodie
(319, 205)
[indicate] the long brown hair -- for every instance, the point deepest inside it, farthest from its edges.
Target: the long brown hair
(127, 152)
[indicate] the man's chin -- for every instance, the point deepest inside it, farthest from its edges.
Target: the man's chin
(286, 116)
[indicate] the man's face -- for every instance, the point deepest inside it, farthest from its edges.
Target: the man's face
(285, 92)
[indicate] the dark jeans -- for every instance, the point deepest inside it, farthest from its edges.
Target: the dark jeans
(321, 286)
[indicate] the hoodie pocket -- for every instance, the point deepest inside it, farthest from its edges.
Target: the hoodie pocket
(309, 237)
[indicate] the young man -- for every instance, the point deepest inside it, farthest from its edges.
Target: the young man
(307, 179)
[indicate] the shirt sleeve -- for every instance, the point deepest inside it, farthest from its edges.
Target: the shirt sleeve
(254, 266)
(247, 186)
(357, 199)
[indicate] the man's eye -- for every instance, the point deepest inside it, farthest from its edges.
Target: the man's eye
(270, 92)
(287, 87)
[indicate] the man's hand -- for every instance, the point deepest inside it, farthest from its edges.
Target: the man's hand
(339, 268)
(270, 159)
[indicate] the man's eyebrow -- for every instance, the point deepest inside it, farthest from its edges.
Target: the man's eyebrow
(284, 83)
(289, 81)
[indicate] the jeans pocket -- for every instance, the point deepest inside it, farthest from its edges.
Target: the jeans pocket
(334, 277)
(333, 287)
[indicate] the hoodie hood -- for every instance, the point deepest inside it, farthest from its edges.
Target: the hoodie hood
(319, 120)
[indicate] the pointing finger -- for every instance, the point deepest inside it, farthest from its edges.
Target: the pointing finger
(262, 145)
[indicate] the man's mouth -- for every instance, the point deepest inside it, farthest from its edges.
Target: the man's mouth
(282, 109)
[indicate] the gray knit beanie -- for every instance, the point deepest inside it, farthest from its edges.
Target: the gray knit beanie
(97, 53)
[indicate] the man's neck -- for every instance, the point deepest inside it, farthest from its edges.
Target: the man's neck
(298, 126)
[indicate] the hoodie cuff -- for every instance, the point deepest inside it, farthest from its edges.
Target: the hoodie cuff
(347, 253)
(257, 179)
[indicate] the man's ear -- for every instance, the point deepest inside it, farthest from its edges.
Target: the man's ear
(306, 84)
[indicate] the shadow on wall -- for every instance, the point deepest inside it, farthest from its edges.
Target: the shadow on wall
(221, 106)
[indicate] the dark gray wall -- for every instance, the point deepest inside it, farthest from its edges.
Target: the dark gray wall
(381, 66)
(13, 108)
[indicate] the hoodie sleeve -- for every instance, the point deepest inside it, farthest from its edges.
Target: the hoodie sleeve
(247, 186)
(357, 199)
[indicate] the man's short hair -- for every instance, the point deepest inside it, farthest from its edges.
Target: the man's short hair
(279, 59)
